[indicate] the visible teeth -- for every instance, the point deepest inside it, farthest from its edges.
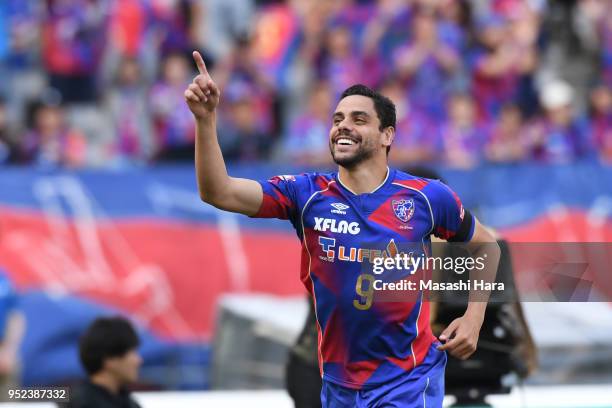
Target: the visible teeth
(344, 141)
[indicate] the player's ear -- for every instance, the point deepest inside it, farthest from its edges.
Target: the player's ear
(388, 135)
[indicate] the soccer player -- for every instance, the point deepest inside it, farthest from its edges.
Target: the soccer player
(370, 353)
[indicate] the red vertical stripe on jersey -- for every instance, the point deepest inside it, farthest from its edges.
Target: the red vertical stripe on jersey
(425, 338)
(334, 347)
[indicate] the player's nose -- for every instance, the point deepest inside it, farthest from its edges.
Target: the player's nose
(344, 127)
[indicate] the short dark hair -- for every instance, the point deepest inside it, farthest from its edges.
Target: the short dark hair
(105, 338)
(385, 108)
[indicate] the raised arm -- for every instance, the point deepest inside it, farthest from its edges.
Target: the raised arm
(215, 186)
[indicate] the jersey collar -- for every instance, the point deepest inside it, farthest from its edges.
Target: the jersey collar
(388, 178)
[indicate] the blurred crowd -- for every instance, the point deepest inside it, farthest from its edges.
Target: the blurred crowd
(100, 82)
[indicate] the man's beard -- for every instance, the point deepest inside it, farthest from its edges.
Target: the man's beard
(362, 154)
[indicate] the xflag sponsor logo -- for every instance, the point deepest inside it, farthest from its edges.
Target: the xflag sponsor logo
(339, 227)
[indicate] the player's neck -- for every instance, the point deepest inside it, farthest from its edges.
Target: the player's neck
(363, 179)
(106, 381)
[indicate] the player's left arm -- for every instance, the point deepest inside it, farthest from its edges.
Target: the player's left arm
(461, 336)
(454, 223)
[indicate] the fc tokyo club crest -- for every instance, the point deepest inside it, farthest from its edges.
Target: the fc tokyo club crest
(403, 209)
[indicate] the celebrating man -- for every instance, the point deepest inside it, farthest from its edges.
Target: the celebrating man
(370, 353)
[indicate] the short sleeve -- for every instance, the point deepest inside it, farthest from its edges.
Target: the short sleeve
(279, 198)
(452, 221)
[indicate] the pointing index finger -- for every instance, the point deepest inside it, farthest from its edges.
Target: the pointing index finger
(200, 63)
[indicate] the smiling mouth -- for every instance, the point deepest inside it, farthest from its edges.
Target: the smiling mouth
(345, 141)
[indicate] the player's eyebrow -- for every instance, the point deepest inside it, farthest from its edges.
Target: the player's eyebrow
(353, 113)
(360, 113)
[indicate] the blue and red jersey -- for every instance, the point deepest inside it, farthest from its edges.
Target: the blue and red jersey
(363, 343)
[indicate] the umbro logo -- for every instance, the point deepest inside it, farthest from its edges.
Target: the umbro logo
(339, 208)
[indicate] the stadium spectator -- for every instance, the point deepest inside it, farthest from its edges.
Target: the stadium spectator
(601, 121)
(385, 31)
(307, 140)
(51, 141)
(503, 66)
(173, 127)
(19, 35)
(109, 354)
(492, 50)
(560, 136)
(12, 328)
(219, 22)
(463, 137)
(174, 25)
(242, 70)
(73, 34)
(417, 139)
(8, 144)
(299, 62)
(456, 23)
(128, 26)
(128, 104)
(596, 29)
(606, 48)
(427, 65)
(242, 138)
(505, 142)
(341, 63)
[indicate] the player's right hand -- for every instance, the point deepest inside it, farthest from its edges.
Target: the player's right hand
(202, 95)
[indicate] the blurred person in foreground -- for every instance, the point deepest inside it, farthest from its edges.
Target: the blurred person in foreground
(12, 328)
(109, 354)
(370, 353)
